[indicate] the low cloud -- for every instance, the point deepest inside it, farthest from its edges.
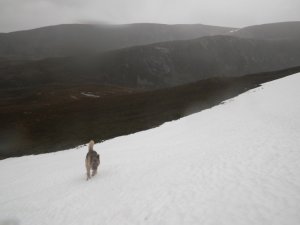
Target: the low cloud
(27, 14)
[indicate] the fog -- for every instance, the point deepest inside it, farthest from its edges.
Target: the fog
(27, 14)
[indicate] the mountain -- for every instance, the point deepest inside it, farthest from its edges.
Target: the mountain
(157, 65)
(272, 31)
(74, 39)
(237, 163)
(179, 62)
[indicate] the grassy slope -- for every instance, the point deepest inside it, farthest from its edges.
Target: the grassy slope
(56, 118)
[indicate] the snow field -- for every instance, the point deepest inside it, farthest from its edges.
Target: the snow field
(237, 163)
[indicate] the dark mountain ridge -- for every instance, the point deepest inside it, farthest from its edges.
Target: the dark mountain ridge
(75, 39)
(157, 65)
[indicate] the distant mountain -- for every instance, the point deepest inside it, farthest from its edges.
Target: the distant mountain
(157, 65)
(272, 31)
(70, 39)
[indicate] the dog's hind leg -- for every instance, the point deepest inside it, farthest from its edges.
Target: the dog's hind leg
(94, 173)
(88, 174)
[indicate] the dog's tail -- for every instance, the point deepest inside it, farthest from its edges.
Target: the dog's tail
(91, 145)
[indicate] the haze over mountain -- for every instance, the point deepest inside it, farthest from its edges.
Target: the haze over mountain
(70, 39)
(272, 31)
(158, 65)
(162, 64)
(27, 14)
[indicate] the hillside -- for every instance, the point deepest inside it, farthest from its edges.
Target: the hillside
(76, 39)
(158, 65)
(52, 118)
(272, 31)
(237, 163)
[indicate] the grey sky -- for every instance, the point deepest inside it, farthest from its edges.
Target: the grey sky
(27, 14)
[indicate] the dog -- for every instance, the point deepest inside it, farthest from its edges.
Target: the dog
(92, 161)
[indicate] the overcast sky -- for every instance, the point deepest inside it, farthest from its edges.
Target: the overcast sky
(27, 14)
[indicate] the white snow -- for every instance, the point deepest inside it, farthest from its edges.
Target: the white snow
(162, 49)
(235, 30)
(237, 163)
(90, 95)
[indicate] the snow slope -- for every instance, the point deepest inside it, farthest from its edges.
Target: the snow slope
(237, 163)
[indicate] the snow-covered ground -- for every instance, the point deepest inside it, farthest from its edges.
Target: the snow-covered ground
(237, 163)
(90, 95)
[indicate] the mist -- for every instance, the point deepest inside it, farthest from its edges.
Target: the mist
(27, 14)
